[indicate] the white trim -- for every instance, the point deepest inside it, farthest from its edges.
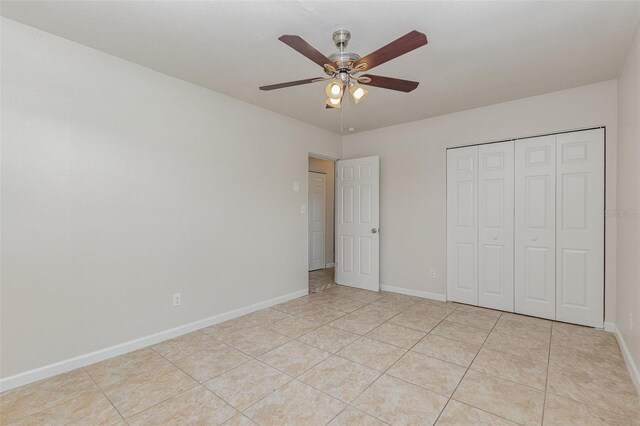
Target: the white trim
(122, 348)
(610, 327)
(329, 265)
(626, 354)
(411, 292)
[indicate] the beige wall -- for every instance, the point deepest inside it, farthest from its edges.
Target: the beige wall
(413, 175)
(326, 167)
(628, 291)
(122, 186)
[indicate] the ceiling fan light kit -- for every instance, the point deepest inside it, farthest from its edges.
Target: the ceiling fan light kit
(334, 103)
(357, 92)
(343, 68)
(334, 90)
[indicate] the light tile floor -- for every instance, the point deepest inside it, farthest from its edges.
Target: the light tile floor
(350, 357)
(321, 279)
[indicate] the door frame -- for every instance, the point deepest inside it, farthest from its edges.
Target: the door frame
(311, 154)
(324, 248)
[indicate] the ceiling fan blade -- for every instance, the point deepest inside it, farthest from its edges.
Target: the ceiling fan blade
(292, 83)
(399, 47)
(298, 44)
(390, 83)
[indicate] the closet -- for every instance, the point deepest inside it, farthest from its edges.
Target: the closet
(525, 226)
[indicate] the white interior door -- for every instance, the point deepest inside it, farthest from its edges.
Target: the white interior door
(535, 219)
(357, 223)
(580, 227)
(317, 222)
(462, 225)
(495, 225)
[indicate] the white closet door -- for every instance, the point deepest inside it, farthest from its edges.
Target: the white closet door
(535, 219)
(495, 225)
(580, 228)
(462, 225)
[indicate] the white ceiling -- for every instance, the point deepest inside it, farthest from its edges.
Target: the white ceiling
(479, 53)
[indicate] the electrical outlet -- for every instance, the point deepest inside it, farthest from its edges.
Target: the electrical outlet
(432, 273)
(176, 299)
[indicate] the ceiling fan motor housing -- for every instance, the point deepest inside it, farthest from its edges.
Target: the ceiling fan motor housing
(341, 38)
(343, 59)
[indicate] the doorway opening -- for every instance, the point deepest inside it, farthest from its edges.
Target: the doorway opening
(321, 224)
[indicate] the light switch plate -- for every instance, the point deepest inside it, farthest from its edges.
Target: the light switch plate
(296, 187)
(303, 208)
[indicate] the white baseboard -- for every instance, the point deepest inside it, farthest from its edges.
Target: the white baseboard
(329, 265)
(411, 292)
(610, 327)
(631, 365)
(132, 345)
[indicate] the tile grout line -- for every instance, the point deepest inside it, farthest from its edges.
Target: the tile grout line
(406, 351)
(64, 401)
(297, 378)
(364, 412)
(391, 366)
(143, 372)
(105, 395)
(264, 397)
(166, 399)
(292, 378)
(465, 372)
(198, 383)
(282, 372)
(349, 404)
(608, 410)
(469, 368)
(546, 383)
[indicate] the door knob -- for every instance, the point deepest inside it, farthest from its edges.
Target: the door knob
(374, 230)
(495, 237)
(534, 238)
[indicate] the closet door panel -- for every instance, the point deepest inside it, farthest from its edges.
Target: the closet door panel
(495, 225)
(462, 225)
(535, 220)
(580, 227)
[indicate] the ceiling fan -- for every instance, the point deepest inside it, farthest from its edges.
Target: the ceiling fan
(344, 68)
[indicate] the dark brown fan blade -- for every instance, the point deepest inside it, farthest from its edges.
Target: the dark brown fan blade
(298, 44)
(391, 83)
(291, 83)
(404, 44)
